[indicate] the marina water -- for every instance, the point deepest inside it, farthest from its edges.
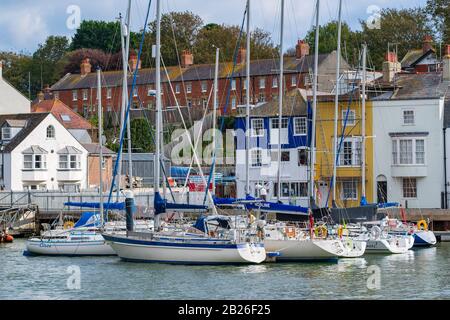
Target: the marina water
(418, 274)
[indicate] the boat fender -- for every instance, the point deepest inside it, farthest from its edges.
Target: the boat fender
(340, 229)
(68, 225)
(375, 232)
(321, 231)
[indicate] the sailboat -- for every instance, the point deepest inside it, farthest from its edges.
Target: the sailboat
(196, 245)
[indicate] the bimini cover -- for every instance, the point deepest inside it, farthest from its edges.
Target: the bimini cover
(96, 205)
(88, 219)
(201, 223)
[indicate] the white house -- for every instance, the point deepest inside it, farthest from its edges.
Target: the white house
(263, 167)
(408, 142)
(38, 153)
(12, 101)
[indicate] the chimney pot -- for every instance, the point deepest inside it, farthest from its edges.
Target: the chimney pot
(187, 59)
(85, 67)
(301, 49)
(391, 57)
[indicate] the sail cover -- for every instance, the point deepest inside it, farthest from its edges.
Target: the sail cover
(221, 221)
(88, 219)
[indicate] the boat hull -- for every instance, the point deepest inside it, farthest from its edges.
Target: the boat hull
(383, 246)
(36, 246)
(305, 250)
(139, 250)
(424, 238)
(354, 248)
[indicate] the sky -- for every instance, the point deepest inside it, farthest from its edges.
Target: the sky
(26, 23)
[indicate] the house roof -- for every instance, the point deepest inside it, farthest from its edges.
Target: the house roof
(16, 123)
(191, 73)
(94, 148)
(68, 118)
(34, 150)
(69, 150)
(413, 57)
(32, 119)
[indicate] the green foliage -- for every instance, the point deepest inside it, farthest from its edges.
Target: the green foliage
(439, 14)
(141, 136)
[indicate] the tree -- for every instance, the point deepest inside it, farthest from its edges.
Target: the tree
(328, 39)
(142, 134)
(100, 35)
(98, 58)
(15, 70)
(179, 31)
(439, 13)
(404, 29)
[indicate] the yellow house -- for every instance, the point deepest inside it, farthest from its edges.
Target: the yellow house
(349, 169)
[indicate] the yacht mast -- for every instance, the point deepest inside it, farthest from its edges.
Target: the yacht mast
(363, 127)
(127, 52)
(157, 158)
(247, 107)
(216, 88)
(314, 107)
(280, 101)
(336, 103)
(100, 141)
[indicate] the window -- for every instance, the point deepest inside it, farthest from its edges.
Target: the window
(69, 187)
(65, 118)
(74, 95)
(69, 162)
(85, 94)
(408, 151)
(274, 82)
(300, 126)
(409, 188)
(104, 161)
(256, 157)
(108, 93)
(285, 156)
(63, 162)
(233, 103)
(275, 131)
(349, 190)
(293, 81)
(257, 126)
(262, 83)
(188, 87)
(307, 81)
(6, 133)
(75, 162)
(262, 97)
(408, 117)
(302, 157)
(350, 152)
(351, 118)
(204, 86)
(233, 84)
(291, 189)
(108, 108)
(150, 91)
(50, 132)
(204, 102)
(135, 92)
(189, 102)
(34, 161)
(177, 88)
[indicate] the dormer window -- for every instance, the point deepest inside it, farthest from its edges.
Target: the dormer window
(6, 133)
(50, 132)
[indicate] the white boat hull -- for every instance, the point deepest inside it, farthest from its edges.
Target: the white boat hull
(387, 246)
(304, 249)
(424, 238)
(98, 247)
(138, 250)
(354, 248)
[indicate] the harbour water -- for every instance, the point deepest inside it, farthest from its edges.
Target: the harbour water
(418, 274)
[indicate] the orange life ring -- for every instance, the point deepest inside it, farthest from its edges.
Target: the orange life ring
(422, 225)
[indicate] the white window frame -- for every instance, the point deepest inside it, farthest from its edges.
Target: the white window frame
(254, 157)
(262, 82)
(301, 186)
(50, 130)
(188, 87)
(305, 149)
(414, 188)
(6, 133)
(284, 130)
(293, 80)
(350, 121)
(356, 144)
(204, 85)
(43, 161)
(233, 84)
(259, 131)
(233, 102)
(396, 142)
(135, 92)
(108, 93)
(74, 95)
(177, 88)
(354, 186)
(274, 82)
(305, 131)
(404, 111)
(69, 162)
(85, 94)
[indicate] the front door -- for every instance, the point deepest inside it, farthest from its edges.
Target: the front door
(382, 191)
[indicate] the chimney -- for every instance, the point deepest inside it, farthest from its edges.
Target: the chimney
(427, 43)
(133, 62)
(446, 63)
(40, 96)
(85, 67)
(391, 66)
(47, 89)
(187, 59)
(301, 49)
(242, 55)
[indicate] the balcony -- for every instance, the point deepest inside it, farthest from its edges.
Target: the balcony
(409, 171)
(69, 175)
(34, 175)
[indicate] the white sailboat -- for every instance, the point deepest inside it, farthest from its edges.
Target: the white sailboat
(227, 245)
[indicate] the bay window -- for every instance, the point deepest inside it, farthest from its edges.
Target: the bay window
(34, 162)
(408, 151)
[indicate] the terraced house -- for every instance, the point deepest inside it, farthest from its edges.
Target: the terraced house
(192, 83)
